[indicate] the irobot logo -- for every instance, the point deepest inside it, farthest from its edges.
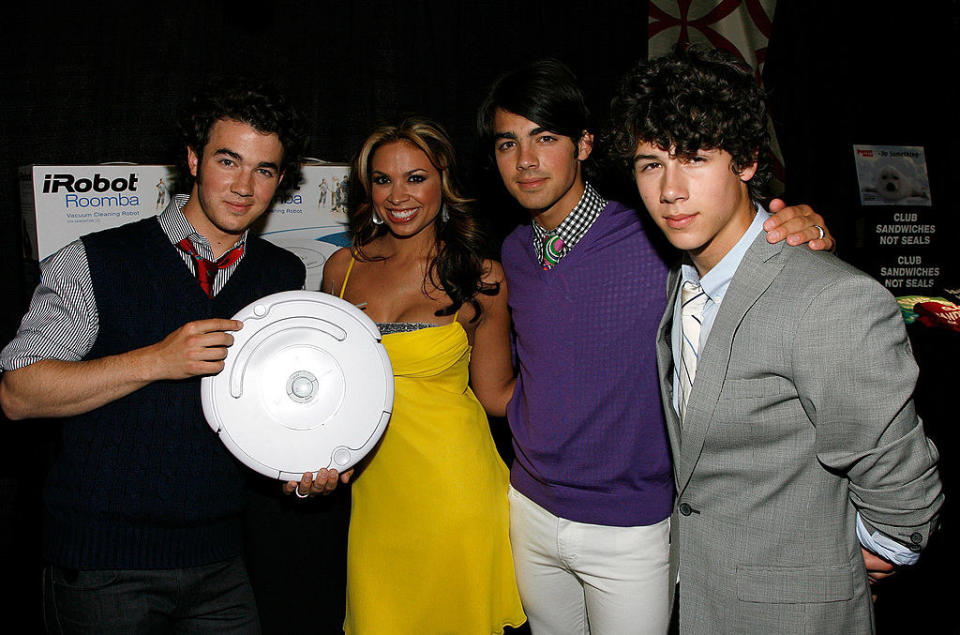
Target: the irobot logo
(53, 183)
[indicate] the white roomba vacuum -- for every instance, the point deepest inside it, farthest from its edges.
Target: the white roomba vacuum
(307, 385)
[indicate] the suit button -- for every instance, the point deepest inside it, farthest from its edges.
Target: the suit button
(916, 537)
(685, 509)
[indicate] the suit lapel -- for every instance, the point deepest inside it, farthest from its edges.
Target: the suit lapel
(665, 362)
(760, 265)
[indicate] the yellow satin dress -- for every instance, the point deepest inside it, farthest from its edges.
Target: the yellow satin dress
(429, 548)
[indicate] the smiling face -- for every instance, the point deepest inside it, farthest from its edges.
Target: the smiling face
(236, 177)
(405, 188)
(539, 168)
(700, 203)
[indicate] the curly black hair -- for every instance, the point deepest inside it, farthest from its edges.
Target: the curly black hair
(258, 105)
(693, 99)
(457, 268)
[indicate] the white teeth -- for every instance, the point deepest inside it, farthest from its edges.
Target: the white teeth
(403, 214)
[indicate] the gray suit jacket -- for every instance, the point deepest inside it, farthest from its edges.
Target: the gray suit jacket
(801, 414)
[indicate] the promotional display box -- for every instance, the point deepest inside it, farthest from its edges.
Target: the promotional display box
(60, 203)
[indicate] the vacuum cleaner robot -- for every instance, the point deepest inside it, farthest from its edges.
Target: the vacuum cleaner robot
(306, 385)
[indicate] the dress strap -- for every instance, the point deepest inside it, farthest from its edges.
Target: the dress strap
(347, 276)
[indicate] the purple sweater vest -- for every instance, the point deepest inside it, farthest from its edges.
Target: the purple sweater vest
(586, 418)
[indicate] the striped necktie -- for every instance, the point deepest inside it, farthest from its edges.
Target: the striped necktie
(205, 270)
(692, 299)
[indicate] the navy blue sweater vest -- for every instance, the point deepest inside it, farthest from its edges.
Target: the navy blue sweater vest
(143, 482)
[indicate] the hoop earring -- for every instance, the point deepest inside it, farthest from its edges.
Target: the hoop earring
(375, 218)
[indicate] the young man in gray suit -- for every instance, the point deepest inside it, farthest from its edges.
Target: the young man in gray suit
(786, 377)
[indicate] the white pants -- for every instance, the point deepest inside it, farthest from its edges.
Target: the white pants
(579, 578)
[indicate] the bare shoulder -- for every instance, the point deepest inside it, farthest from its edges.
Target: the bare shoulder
(496, 282)
(338, 262)
(335, 270)
(493, 272)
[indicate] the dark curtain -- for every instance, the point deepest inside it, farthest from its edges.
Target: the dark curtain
(86, 83)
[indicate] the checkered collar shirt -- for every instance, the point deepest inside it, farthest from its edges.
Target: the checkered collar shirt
(572, 228)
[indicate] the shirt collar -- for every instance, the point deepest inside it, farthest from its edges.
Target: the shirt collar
(716, 282)
(176, 226)
(572, 228)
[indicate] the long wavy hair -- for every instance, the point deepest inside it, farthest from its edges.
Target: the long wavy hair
(457, 268)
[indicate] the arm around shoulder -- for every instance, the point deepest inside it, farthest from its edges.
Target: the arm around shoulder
(798, 224)
(856, 375)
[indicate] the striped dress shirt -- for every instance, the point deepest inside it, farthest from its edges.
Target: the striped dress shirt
(62, 322)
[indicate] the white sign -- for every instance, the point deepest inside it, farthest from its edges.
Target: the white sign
(61, 203)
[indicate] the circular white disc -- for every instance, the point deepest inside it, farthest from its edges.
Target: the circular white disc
(306, 385)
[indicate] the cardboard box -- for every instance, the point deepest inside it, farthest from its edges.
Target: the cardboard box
(60, 203)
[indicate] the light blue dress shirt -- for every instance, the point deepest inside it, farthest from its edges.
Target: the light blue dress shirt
(715, 284)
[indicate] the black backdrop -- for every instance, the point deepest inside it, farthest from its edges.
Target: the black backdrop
(85, 83)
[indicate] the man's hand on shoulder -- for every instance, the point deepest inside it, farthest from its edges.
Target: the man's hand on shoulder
(798, 224)
(196, 348)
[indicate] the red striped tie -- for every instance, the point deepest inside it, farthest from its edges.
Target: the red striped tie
(206, 270)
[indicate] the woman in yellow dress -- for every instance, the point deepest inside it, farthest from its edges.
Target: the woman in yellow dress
(428, 547)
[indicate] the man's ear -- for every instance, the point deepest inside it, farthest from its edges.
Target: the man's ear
(193, 160)
(584, 145)
(747, 172)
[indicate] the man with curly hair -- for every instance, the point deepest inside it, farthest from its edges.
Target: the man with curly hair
(786, 376)
(142, 506)
(591, 486)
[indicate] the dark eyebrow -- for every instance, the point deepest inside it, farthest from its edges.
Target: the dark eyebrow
(269, 164)
(532, 133)
(230, 153)
(235, 156)
(641, 157)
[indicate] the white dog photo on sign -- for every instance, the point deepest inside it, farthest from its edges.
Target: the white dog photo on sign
(894, 186)
(892, 175)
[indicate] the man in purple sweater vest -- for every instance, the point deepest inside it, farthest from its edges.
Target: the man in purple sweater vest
(591, 487)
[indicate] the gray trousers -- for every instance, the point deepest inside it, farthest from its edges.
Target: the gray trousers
(213, 598)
